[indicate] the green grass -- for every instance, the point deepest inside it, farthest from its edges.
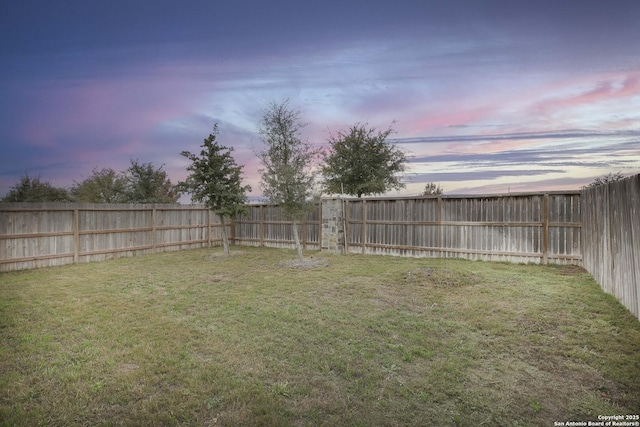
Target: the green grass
(184, 338)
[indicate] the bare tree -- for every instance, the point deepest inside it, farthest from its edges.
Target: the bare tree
(287, 175)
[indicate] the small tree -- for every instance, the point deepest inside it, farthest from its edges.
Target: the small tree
(606, 179)
(287, 178)
(362, 162)
(35, 190)
(147, 184)
(431, 189)
(215, 180)
(103, 186)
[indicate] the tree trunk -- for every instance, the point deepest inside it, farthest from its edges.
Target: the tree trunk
(225, 238)
(296, 237)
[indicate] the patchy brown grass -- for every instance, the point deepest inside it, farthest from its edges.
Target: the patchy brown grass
(194, 338)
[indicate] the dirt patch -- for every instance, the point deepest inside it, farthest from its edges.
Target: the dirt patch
(306, 263)
(572, 270)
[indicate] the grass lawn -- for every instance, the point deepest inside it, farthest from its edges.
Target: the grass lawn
(187, 338)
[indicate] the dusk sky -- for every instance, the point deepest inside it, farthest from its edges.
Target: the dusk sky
(487, 96)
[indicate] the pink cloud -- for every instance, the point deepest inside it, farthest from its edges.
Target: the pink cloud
(631, 86)
(430, 121)
(611, 89)
(105, 123)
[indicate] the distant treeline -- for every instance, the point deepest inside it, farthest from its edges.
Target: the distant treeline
(140, 183)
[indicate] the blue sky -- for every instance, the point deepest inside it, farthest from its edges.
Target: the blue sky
(487, 96)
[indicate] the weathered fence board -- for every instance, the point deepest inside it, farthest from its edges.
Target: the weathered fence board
(266, 225)
(36, 235)
(611, 239)
(515, 227)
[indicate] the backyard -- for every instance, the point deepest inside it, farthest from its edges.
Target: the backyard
(195, 338)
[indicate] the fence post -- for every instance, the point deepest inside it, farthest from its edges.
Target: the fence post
(346, 215)
(261, 225)
(332, 225)
(76, 235)
(232, 225)
(153, 230)
(320, 224)
(439, 236)
(208, 228)
(303, 231)
(363, 236)
(545, 229)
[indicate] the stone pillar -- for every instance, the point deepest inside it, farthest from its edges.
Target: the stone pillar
(332, 225)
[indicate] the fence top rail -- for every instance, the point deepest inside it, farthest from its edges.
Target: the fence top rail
(460, 196)
(267, 204)
(51, 206)
(40, 206)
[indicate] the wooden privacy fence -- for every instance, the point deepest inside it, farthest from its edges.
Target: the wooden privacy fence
(544, 228)
(36, 235)
(266, 225)
(50, 234)
(611, 229)
(516, 227)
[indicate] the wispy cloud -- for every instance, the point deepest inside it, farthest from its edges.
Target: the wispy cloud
(568, 134)
(598, 92)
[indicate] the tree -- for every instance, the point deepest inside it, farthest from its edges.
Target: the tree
(35, 190)
(103, 186)
(362, 162)
(431, 189)
(287, 176)
(215, 180)
(146, 184)
(606, 179)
